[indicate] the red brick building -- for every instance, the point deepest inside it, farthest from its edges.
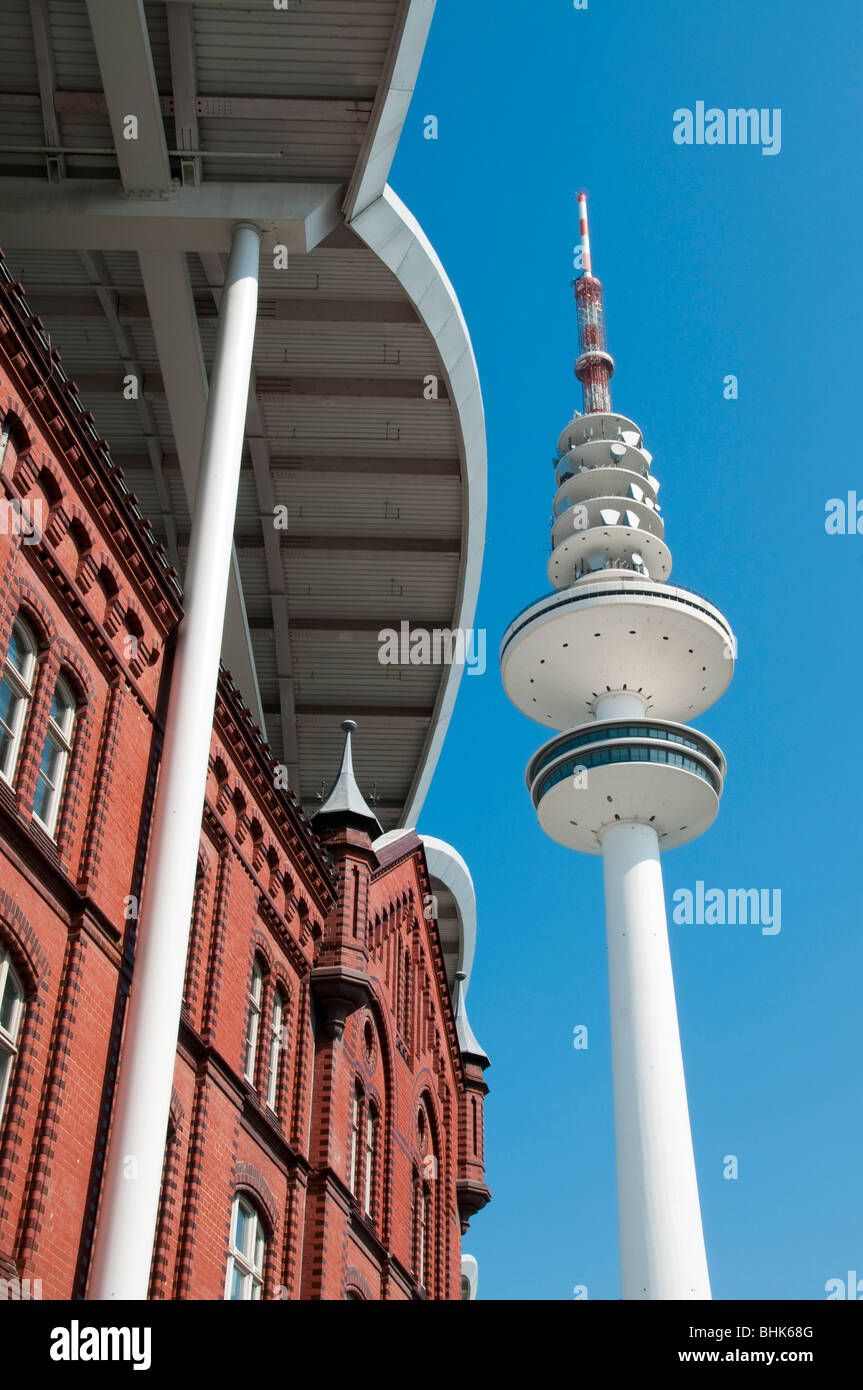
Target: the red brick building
(325, 1139)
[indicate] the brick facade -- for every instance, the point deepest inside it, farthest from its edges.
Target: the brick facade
(356, 1137)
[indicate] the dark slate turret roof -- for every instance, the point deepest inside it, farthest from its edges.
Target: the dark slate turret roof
(345, 804)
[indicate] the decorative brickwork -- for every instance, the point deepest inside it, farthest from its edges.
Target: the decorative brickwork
(339, 934)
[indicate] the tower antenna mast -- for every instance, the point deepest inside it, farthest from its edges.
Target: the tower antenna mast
(595, 365)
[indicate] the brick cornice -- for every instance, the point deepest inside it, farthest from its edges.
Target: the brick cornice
(225, 841)
(53, 398)
(235, 726)
(279, 927)
(56, 578)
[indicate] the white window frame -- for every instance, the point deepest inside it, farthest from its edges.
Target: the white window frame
(10, 986)
(22, 684)
(422, 1242)
(355, 1139)
(370, 1147)
(256, 994)
(248, 1262)
(59, 737)
(275, 1055)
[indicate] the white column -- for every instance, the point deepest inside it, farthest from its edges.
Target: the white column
(620, 704)
(130, 1194)
(662, 1252)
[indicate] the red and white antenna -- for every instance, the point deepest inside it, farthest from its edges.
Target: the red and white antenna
(595, 365)
(584, 233)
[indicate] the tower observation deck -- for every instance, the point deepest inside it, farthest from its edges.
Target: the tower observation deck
(616, 661)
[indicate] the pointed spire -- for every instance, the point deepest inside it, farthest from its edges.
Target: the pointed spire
(468, 1045)
(345, 803)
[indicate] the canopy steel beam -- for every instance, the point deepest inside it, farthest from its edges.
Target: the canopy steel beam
(396, 547)
(132, 308)
(129, 82)
(342, 628)
(313, 389)
(98, 215)
(106, 298)
(283, 469)
(186, 104)
(184, 82)
(394, 467)
(374, 716)
(40, 23)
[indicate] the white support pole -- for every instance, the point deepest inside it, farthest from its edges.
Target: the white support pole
(621, 704)
(662, 1253)
(130, 1198)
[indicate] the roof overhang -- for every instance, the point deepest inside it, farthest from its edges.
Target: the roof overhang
(289, 119)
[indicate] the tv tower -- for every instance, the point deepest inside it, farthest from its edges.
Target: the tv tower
(618, 661)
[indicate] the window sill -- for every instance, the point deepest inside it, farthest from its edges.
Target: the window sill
(367, 1224)
(261, 1110)
(44, 838)
(45, 830)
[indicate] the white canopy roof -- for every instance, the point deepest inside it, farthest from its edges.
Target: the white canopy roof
(288, 117)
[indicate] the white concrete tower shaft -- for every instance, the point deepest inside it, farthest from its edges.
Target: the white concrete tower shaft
(662, 1253)
(618, 661)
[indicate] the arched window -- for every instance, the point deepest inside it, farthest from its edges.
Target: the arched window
(288, 891)
(108, 585)
(254, 1021)
(50, 488)
(272, 875)
(426, 1180)
(356, 1113)
(371, 1146)
(55, 757)
(80, 539)
(238, 801)
(256, 830)
(11, 1013)
(245, 1280)
(220, 776)
(275, 1051)
(16, 692)
(133, 636)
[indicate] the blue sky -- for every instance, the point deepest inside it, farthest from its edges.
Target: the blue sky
(715, 260)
